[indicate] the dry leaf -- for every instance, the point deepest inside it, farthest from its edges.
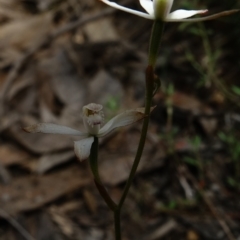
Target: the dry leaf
(115, 168)
(190, 103)
(19, 35)
(104, 88)
(63, 77)
(90, 200)
(40, 143)
(101, 30)
(29, 193)
(10, 154)
(49, 161)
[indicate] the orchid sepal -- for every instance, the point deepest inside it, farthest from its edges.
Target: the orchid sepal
(160, 10)
(53, 129)
(207, 18)
(122, 119)
(128, 10)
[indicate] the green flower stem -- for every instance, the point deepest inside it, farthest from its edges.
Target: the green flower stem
(117, 224)
(157, 31)
(93, 159)
(103, 192)
(149, 93)
(155, 40)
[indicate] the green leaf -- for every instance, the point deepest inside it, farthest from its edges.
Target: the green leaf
(191, 161)
(196, 141)
(172, 204)
(222, 136)
(170, 89)
(236, 90)
(232, 182)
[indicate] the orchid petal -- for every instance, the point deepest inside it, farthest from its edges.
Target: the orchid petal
(54, 129)
(211, 17)
(82, 148)
(181, 14)
(125, 9)
(148, 6)
(123, 119)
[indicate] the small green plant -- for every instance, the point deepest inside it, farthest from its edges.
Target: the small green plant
(112, 106)
(112, 103)
(169, 138)
(169, 91)
(196, 160)
(233, 146)
(233, 183)
(209, 74)
(177, 204)
(236, 90)
(170, 131)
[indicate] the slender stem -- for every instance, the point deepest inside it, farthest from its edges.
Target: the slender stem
(103, 192)
(157, 31)
(93, 159)
(149, 91)
(117, 224)
(155, 40)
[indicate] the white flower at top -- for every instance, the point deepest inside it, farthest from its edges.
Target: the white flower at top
(93, 120)
(160, 9)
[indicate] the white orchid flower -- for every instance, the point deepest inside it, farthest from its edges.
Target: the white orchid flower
(160, 9)
(93, 119)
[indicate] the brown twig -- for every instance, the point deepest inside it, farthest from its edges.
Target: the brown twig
(19, 64)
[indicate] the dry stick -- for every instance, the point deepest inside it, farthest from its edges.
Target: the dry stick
(220, 219)
(16, 225)
(46, 40)
(212, 208)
